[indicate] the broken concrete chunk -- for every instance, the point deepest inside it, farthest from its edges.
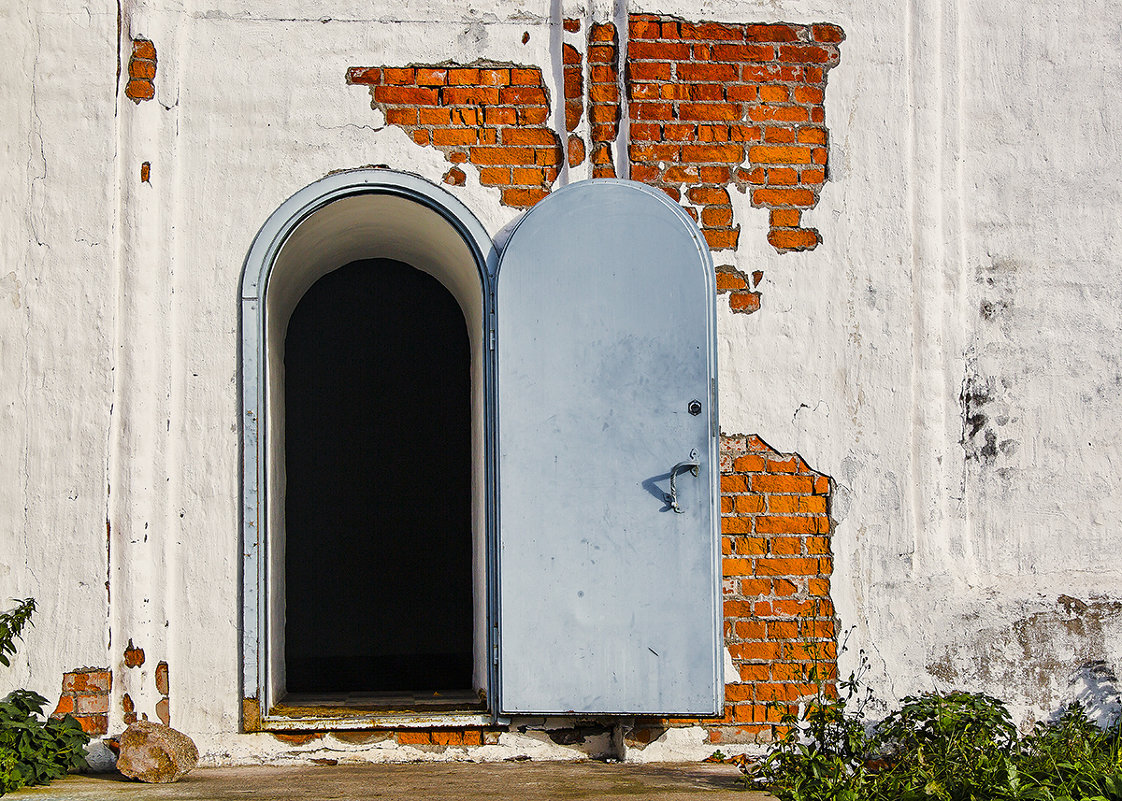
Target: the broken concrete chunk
(152, 752)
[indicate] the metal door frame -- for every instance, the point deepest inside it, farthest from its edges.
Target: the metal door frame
(255, 637)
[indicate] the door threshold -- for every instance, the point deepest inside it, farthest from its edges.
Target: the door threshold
(349, 711)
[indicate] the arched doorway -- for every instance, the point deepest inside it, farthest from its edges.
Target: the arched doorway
(381, 276)
(378, 582)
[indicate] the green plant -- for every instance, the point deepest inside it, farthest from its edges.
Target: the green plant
(32, 751)
(952, 746)
(12, 624)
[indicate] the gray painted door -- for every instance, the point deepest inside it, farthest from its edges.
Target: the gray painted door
(608, 597)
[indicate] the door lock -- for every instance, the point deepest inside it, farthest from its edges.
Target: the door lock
(694, 407)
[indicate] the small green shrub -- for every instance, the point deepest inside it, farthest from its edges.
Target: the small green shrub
(32, 751)
(953, 746)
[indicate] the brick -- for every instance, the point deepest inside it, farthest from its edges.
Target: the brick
(784, 546)
(528, 136)
(91, 704)
(812, 136)
(784, 218)
(749, 463)
(406, 95)
(600, 113)
(782, 524)
(472, 737)
(494, 176)
(650, 152)
(65, 706)
(749, 504)
(730, 153)
(793, 238)
(602, 54)
(744, 52)
(771, 33)
(753, 546)
(708, 194)
(651, 71)
(93, 725)
(709, 111)
(738, 609)
(138, 89)
(426, 76)
(658, 51)
(142, 69)
(525, 77)
(576, 153)
(571, 25)
(737, 567)
(777, 134)
(471, 95)
(734, 484)
(602, 32)
(462, 76)
(736, 525)
(712, 133)
(810, 95)
(717, 73)
(778, 114)
(398, 76)
(401, 116)
(709, 30)
(774, 94)
(750, 629)
(494, 77)
(783, 197)
(744, 302)
(782, 630)
(745, 133)
(818, 587)
(414, 738)
(717, 215)
(721, 238)
(711, 174)
(143, 48)
(812, 177)
(754, 651)
(831, 34)
(787, 566)
(454, 136)
(782, 176)
(807, 54)
(784, 587)
(364, 75)
(651, 111)
(643, 28)
(523, 198)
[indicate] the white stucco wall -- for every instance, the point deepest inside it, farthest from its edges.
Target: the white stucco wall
(967, 280)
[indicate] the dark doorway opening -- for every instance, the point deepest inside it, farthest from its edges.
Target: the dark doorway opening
(378, 554)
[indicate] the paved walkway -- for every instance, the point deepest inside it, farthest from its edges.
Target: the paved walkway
(524, 781)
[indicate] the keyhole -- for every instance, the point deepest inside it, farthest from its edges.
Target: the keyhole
(694, 407)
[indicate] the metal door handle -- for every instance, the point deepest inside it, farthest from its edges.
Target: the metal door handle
(690, 464)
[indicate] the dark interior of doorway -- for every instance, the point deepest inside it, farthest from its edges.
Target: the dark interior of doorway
(378, 556)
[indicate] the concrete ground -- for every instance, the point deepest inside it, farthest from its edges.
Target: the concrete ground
(524, 781)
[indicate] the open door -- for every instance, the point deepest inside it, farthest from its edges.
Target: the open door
(608, 543)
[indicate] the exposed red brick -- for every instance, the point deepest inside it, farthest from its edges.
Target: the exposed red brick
(491, 116)
(702, 82)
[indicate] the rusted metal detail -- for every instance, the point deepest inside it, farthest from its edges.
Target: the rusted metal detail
(334, 719)
(251, 715)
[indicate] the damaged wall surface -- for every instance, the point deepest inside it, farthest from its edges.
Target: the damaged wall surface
(918, 205)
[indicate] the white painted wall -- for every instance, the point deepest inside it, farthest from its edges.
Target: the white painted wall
(970, 241)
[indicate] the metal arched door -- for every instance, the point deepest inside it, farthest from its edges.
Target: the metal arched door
(607, 519)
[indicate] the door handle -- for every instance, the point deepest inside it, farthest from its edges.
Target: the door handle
(690, 464)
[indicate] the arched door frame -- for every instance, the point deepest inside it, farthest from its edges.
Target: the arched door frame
(258, 266)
